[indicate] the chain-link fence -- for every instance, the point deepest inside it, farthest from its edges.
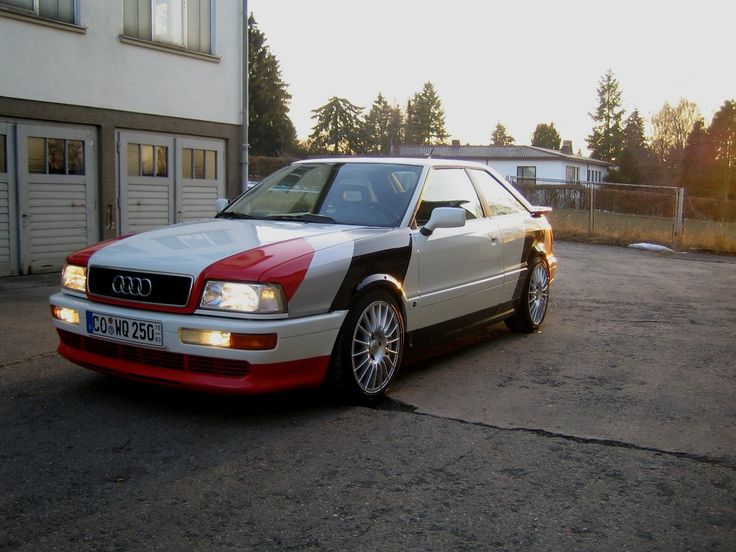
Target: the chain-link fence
(628, 213)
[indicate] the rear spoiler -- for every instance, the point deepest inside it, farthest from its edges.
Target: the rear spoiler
(539, 210)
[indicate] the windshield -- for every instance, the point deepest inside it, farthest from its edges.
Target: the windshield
(370, 194)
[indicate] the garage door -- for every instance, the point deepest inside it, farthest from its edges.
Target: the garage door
(166, 179)
(202, 177)
(8, 223)
(57, 194)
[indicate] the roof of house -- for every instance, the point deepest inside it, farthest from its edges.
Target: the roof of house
(490, 152)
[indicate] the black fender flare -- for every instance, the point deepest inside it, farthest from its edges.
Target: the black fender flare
(384, 279)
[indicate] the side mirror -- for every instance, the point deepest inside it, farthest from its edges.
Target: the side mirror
(220, 204)
(444, 217)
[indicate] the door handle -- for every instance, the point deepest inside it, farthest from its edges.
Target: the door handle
(493, 238)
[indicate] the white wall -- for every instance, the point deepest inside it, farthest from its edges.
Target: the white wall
(546, 169)
(96, 69)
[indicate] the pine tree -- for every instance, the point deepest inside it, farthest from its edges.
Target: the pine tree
(410, 129)
(381, 128)
(426, 117)
(722, 132)
(635, 163)
(546, 136)
(337, 127)
(270, 131)
(606, 141)
(500, 136)
(698, 163)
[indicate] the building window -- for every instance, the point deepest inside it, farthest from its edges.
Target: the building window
(180, 23)
(148, 160)
(57, 10)
(55, 156)
(594, 175)
(526, 175)
(199, 163)
(572, 174)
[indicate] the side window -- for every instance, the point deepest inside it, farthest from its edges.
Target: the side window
(499, 199)
(449, 188)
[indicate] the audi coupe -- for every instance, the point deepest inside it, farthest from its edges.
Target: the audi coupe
(326, 272)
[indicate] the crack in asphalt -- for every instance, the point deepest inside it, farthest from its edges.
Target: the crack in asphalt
(26, 359)
(396, 405)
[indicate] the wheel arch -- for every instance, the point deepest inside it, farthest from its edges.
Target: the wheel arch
(384, 282)
(537, 249)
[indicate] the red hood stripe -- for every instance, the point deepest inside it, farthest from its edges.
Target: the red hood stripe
(284, 263)
(81, 257)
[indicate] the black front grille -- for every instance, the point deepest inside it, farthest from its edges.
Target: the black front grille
(156, 357)
(165, 289)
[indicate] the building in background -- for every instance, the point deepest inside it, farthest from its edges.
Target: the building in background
(115, 117)
(527, 163)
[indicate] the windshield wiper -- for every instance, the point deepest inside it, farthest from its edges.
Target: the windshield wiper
(233, 215)
(304, 217)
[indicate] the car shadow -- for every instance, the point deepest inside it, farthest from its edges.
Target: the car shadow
(144, 398)
(157, 400)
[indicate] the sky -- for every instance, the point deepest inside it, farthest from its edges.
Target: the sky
(518, 62)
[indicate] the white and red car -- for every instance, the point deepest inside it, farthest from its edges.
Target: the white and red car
(324, 271)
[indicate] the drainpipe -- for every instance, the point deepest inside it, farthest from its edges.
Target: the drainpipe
(244, 139)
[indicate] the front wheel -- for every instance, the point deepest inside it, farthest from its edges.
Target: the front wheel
(369, 347)
(532, 307)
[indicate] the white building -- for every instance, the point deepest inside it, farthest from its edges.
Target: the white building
(115, 116)
(527, 162)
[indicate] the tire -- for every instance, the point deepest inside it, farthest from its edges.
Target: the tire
(532, 307)
(369, 348)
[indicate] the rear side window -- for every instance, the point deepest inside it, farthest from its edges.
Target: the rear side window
(449, 188)
(499, 199)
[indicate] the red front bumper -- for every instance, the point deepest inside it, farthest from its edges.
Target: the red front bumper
(188, 371)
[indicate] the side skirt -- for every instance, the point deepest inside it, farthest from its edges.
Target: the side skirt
(456, 327)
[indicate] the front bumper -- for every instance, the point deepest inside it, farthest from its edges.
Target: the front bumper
(300, 359)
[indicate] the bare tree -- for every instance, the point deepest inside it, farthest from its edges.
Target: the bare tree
(672, 126)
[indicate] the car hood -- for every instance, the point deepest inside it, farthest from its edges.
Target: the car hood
(190, 248)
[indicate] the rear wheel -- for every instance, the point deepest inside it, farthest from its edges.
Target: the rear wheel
(369, 347)
(532, 307)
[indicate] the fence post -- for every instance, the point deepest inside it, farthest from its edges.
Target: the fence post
(591, 208)
(677, 227)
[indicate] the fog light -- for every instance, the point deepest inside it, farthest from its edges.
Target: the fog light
(209, 338)
(70, 316)
(228, 340)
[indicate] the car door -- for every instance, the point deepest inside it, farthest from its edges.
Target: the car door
(459, 270)
(512, 219)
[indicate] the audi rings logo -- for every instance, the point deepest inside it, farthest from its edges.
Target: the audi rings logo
(134, 287)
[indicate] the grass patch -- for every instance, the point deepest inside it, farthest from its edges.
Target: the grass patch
(623, 229)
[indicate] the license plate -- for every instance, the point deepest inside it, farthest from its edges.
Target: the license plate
(125, 329)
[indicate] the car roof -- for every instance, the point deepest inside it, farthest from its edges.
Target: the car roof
(413, 161)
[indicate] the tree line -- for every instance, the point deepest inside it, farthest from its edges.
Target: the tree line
(681, 150)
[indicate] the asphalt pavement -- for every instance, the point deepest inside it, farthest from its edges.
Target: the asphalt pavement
(612, 429)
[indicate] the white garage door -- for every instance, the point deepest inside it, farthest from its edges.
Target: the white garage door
(57, 194)
(8, 222)
(167, 179)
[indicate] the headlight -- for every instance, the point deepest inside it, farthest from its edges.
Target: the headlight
(253, 298)
(74, 278)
